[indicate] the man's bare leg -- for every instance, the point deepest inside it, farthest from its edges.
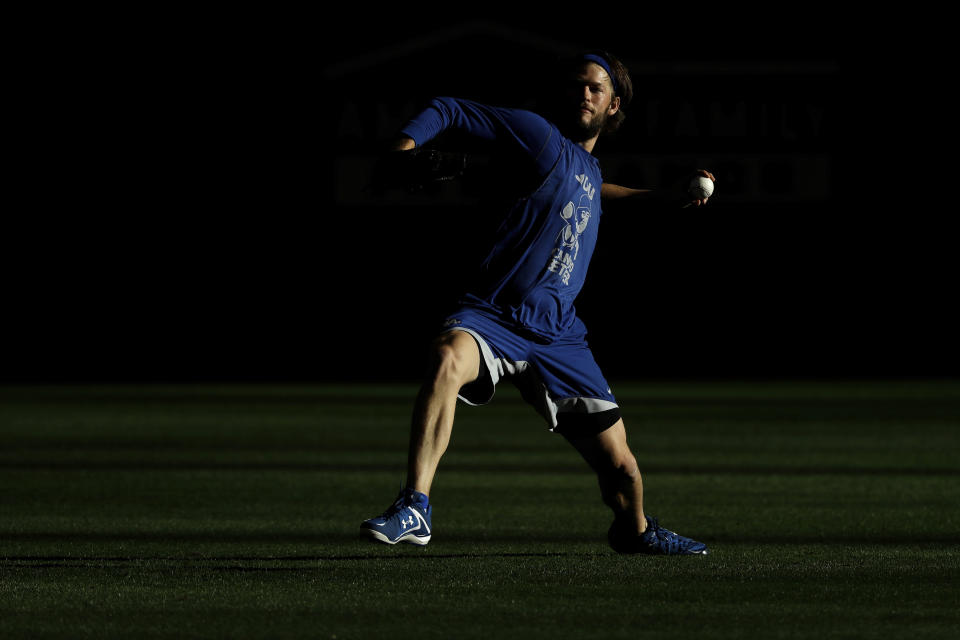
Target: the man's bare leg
(622, 489)
(455, 361)
(621, 485)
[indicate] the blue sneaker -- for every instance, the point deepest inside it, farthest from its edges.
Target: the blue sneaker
(655, 541)
(407, 520)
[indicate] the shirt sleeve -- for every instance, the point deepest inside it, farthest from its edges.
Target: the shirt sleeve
(527, 131)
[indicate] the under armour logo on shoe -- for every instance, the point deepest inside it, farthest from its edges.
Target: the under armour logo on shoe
(406, 522)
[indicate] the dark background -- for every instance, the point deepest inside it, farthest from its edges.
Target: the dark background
(199, 211)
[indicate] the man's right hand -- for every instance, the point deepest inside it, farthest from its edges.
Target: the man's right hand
(410, 169)
(403, 143)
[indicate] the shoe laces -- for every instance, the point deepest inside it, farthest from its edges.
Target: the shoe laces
(661, 535)
(398, 505)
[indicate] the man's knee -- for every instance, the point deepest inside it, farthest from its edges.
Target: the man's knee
(609, 455)
(618, 478)
(625, 468)
(455, 358)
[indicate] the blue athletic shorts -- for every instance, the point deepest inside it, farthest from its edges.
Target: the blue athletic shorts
(561, 379)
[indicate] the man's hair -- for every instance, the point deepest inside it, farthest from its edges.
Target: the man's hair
(619, 74)
(623, 85)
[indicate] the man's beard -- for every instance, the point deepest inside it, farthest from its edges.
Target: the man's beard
(578, 131)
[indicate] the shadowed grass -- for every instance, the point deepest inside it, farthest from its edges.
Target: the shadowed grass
(233, 511)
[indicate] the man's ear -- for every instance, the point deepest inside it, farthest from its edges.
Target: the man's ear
(614, 106)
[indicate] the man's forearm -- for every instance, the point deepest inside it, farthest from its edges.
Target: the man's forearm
(672, 195)
(609, 191)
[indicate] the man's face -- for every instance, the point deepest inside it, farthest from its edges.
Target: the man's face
(591, 94)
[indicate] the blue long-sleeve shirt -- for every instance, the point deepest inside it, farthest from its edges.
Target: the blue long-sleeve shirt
(543, 246)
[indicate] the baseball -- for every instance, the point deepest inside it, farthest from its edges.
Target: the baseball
(700, 188)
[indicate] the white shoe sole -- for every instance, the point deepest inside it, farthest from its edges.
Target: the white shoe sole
(409, 539)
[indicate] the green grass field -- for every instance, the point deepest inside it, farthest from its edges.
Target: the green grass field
(832, 510)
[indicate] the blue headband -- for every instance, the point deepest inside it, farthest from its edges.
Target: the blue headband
(606, 67)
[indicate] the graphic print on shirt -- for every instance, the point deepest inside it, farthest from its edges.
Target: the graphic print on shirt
(576, 216)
